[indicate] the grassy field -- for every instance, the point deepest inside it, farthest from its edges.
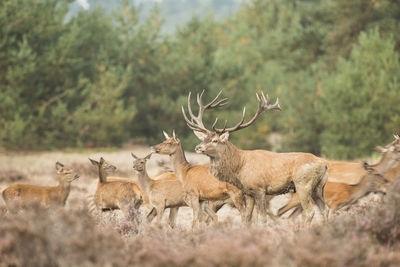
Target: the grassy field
(367, 235)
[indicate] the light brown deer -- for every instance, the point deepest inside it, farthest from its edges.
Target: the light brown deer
(338, 195)
(197, 181)
(115, 195)
(340, 173)
(352, 172)
(20, 195)
(165, 191)
(260, 172)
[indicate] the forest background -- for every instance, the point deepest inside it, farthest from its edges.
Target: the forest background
(104, 78)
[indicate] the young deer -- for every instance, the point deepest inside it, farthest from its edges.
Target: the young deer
(338, 195)
(115, 195)
(165, 191)
(197, 181)
(337, 191)
(259, 172)
(352, 172)
(20, 195)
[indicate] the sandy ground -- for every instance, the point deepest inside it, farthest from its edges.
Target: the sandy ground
(39, 169)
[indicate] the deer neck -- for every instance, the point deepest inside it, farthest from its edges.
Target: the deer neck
(63, 189)
(179, 162)
(384, 164)
(227, 165)
(102, 175)
(144, 181)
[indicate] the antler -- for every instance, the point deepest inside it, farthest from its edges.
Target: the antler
(263, 105)
(196, 122)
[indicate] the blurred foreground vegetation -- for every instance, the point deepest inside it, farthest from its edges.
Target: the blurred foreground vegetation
(103, 79)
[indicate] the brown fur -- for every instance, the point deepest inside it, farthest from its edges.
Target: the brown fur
(261, 172)
(165, 191)
(197, 181)
(343, 173)
(352, 172)
(258, 172)
(338, 195)
(20, 195)
(115, 195)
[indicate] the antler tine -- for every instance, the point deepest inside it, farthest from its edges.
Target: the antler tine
(263, 105)
(196, 122)
(219, 130)
(191, 124)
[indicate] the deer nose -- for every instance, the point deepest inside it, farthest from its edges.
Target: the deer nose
(199, 149)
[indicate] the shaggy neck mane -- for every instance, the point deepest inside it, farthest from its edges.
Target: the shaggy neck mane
(227, 165)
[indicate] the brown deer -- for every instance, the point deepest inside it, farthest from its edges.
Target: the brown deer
(153, 213)
(352, 172)
(115, 195)
(338, 195)
(341, 173)
(197, 181)
(165, 191)
(21, 195)
(260, 172)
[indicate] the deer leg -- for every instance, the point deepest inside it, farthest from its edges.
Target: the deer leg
(173, 212)
(293, 202)
(160, 212)
(319, 196)
(304, 193)
(249, 208)
(237, 198)
(193, 201)
(261, 205)
(206, 207)
(152, 214)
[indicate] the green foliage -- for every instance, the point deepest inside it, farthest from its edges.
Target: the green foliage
(354, 108)
(103, 78)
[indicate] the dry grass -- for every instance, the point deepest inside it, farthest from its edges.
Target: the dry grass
(367, 235)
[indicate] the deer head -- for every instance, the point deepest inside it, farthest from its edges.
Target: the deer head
(169, 146)
(213, 141)
(107, 167)
(139, 164)
(67, 175)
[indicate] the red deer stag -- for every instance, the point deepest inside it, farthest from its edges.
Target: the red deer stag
(197, 181)
(260, 172)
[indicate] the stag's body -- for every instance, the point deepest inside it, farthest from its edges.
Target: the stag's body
(165, 191)
(197, 181)
(115, 195)
(20, 195)
(259, 172)
(338, 195)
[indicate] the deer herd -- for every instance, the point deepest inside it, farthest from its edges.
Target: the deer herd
(245, 179)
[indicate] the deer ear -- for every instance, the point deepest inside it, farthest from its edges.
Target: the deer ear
(174, 135)
(59, 167)
(165, 135)
(148, 156)
(134, 156)
(93, 162)
(224, 137)
(200, 135)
